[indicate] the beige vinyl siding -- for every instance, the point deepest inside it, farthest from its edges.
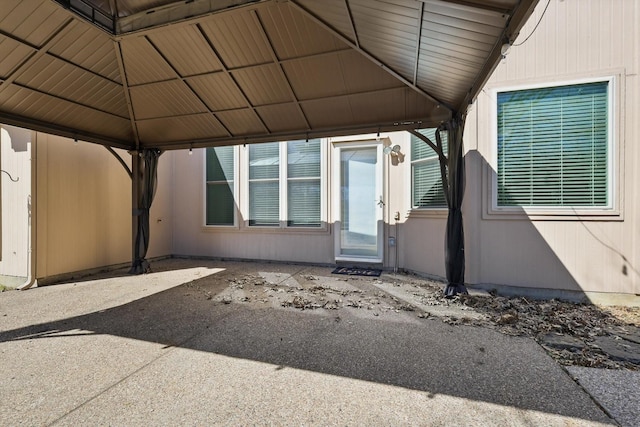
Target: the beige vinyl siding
(84, 208)
(576, 39)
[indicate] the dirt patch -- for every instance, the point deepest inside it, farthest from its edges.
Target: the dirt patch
(573, 334)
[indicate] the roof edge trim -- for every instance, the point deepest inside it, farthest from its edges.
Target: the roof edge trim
(46, 127)
(292, 136)
(517, 20)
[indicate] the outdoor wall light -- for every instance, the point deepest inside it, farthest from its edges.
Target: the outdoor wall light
(504, 49)
(391, 150)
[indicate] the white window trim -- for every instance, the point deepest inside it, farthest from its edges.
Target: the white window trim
(615, 164)
(415, 212)
(236, 188)
(283, 181)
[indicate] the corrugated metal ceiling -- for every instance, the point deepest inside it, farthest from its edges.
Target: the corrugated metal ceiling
(244, 70)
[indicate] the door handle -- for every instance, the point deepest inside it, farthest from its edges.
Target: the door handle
(380, 202)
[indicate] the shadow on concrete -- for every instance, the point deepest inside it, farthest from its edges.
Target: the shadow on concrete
(404, 351)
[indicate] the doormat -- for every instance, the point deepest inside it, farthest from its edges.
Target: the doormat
(355, 271)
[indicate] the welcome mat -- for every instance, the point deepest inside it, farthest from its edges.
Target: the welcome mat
(356, 271)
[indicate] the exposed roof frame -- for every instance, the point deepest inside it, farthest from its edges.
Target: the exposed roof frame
(181, 79)
(519, 15)
(184, 11)
(35, 55)
(276, 60)
(368, 55)
(48, 127)
(417, 63)
(227, 72)
(127, 95)
(478, 5)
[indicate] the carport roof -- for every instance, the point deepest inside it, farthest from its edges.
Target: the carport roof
(165, 74)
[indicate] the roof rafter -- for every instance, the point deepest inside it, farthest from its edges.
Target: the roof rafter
(181, 79)
(352, 23)
(227, 72)
(368, 55)
(518, 17)
(276, 61)
(127, 94)
(38, 53)
(417, 62)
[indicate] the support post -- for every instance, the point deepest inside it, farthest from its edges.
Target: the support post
(454, 237)
(452, 174)
(143, 190)
(136, 181)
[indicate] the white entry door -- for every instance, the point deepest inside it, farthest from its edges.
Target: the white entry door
(360, 204)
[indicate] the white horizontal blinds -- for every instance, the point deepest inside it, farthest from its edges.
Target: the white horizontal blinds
(264, 186)
(426, 181)
(303, 183)
(220, 207)
(553, 146)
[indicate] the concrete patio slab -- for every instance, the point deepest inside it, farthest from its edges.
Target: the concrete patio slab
(163, 349)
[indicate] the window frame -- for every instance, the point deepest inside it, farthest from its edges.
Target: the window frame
(283, 191)
(418, 212)
(413, 162)
(236, 188)
(613, 210)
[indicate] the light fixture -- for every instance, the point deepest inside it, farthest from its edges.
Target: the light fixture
(504, 49)
(190, 151)
(392, 150)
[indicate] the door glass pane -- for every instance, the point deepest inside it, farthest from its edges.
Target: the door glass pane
(358, 216)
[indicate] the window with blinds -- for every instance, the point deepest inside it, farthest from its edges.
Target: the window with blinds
(220, 208)
(285, 182)
(264, 184)
(303, 183)
(553, 146)
(426, 181)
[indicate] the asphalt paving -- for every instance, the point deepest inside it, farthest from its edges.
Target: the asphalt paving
(170, 348)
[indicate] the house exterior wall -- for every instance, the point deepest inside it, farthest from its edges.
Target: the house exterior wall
(84, 208)
(15, 159)
(576, 39)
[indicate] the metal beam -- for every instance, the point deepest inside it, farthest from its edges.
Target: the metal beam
(67, 132)
(289, 136)
(518, 18)
(122, 162)
(38, 53)
(182, 80)
(368, 55)
(225, 69)
(417, 62)
(277, 62)
(127, 94)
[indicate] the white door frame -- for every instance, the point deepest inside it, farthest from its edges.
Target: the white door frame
(338, 146)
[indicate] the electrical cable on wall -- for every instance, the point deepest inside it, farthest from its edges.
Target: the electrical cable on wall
(536, 27)
(9, 175)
